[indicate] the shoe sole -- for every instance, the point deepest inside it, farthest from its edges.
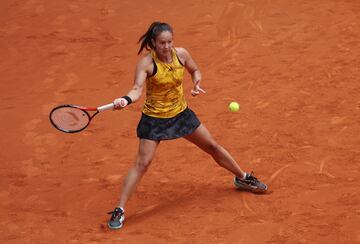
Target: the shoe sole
(118, 227)
(246, 187)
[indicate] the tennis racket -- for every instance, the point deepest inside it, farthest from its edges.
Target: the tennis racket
(73, 118)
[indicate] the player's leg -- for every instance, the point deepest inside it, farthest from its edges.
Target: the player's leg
(145, 155)
(203, 139)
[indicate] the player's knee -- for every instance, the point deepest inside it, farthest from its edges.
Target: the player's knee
(142, 165)
(213, 148)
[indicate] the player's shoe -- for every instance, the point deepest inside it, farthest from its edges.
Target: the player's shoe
(117, 219)
(250, 183)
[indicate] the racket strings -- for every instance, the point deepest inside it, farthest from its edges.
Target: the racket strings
(70, 119)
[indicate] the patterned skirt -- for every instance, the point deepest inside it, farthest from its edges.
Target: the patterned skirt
(158, 129)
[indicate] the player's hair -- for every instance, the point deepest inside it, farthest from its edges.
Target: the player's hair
(154, 30)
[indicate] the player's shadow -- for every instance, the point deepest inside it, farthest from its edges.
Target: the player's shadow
(189, 195)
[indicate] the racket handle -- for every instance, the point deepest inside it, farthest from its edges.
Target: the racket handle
(106, 107)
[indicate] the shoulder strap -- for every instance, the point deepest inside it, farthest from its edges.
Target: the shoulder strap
(178, 57)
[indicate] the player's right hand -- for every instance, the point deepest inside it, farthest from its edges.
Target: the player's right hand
(120, 103)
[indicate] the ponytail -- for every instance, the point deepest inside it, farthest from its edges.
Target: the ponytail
(154, 30)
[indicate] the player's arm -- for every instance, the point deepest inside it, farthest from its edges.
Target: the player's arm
(192, 68)
(139, 81)
(142, 70)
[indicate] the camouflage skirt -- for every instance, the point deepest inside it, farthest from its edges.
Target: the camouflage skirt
(158, 129)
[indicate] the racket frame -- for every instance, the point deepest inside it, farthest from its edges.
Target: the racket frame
(85, 110)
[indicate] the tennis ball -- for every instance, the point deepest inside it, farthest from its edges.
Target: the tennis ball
(234, 106)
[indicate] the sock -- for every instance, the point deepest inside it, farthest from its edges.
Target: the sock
(245, 176)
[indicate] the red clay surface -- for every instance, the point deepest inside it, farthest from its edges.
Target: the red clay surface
(292, 65)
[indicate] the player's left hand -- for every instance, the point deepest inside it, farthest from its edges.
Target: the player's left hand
(197, 89)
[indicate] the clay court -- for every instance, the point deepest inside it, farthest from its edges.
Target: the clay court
(293, 66)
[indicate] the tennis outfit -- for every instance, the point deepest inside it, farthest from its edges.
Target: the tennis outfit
(165, 114)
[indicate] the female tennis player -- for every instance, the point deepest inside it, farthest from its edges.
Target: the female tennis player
(165, 114)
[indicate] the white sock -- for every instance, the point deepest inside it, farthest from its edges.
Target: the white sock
(244, 177)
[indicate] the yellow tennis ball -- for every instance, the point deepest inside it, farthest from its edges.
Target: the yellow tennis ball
(234, 106)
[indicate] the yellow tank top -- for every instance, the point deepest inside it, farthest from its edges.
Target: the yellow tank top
(164, 91)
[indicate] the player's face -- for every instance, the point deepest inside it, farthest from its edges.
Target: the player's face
(164, 43)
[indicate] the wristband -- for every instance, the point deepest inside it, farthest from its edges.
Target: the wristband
(128, 99)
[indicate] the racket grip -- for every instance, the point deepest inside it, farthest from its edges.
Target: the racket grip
(106, 107)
